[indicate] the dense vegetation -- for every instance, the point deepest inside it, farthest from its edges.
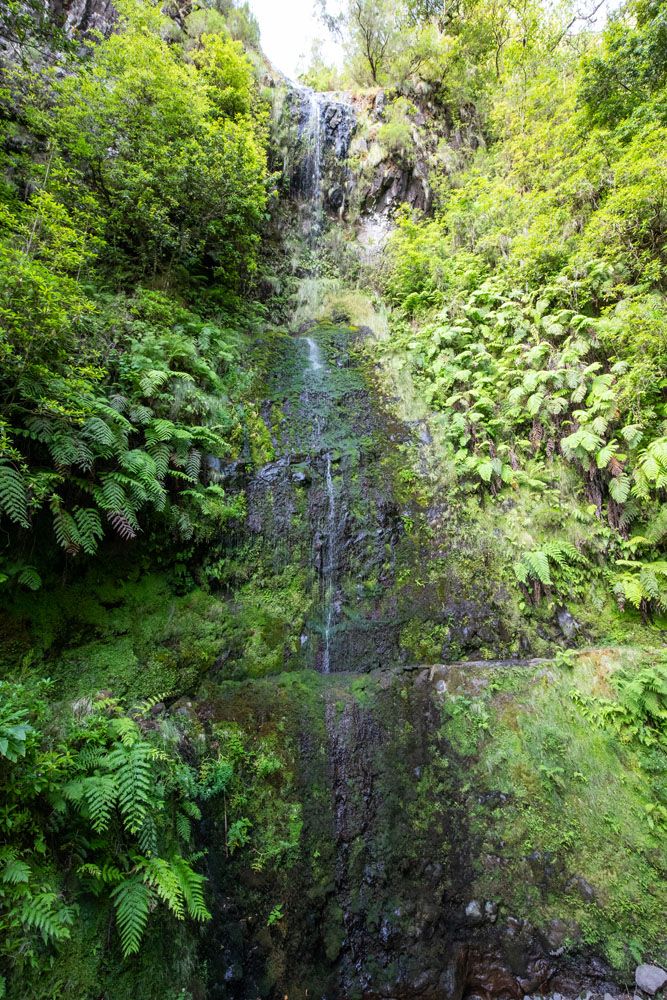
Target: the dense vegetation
(133, 188)
(531, 307)
(526, 311)
(132, 185)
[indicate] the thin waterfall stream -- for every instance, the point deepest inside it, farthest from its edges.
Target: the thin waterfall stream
(317, 368)
(329, 569)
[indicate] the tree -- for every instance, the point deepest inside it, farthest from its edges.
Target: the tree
(371, 29)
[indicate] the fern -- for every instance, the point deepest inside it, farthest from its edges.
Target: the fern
(108, 874)
(651, 471)
(131, 900)
(537, 565)
(122, 525)
(147, 836)
(163, 878)
(641, 584)
(183, 827)
(97, 795)
(131, 768)
(89, 529)
(64, 526)
(192, 888)
(563, 554)
(619, 488)
(13, 495)
(13, 871)
(153, 380)
(28, 577)
(656, 530)
(46, 913)
(100, 434)
(193, 465)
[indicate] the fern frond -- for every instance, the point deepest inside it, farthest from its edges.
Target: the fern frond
(46, 913)
(64, 526)
(89, 528)
(537, 563)
(131, 900)
(162, 877)
(100, 794)
(29, 577)
(192, 886)
(14, 871)
(131, 768)
(13, 495)
(122, 526)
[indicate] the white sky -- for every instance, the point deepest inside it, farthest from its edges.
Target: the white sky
(289, 28)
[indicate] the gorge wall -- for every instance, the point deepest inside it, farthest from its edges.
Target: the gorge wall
(409, 855)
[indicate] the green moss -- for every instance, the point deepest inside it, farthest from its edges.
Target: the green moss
(133, 636)
(570, 837)
(424, 641)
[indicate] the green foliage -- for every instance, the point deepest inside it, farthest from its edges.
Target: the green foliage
(531, 309)
(255, 784)
(142, 166)
(104, 788)
(639, 709)
(395, 134)
(583, 771)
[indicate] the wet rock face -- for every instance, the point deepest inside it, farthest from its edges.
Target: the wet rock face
(378, 906)
(381, 901)
(328, 503)
(320, 129)
(395, 184)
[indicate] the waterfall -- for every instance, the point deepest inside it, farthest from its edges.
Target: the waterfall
(314, 355)
(315, 139)
(317, 368)
(320, 173)
(329, 568)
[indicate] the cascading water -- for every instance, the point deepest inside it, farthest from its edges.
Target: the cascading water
(320, 173)
(317, 368)
(329, 570)
(314, 355)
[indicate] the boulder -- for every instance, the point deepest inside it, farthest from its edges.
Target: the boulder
(650, 978)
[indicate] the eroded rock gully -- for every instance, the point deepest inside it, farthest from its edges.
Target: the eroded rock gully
(375, 897)
(377, 902)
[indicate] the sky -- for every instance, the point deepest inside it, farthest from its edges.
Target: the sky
(289, 28)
